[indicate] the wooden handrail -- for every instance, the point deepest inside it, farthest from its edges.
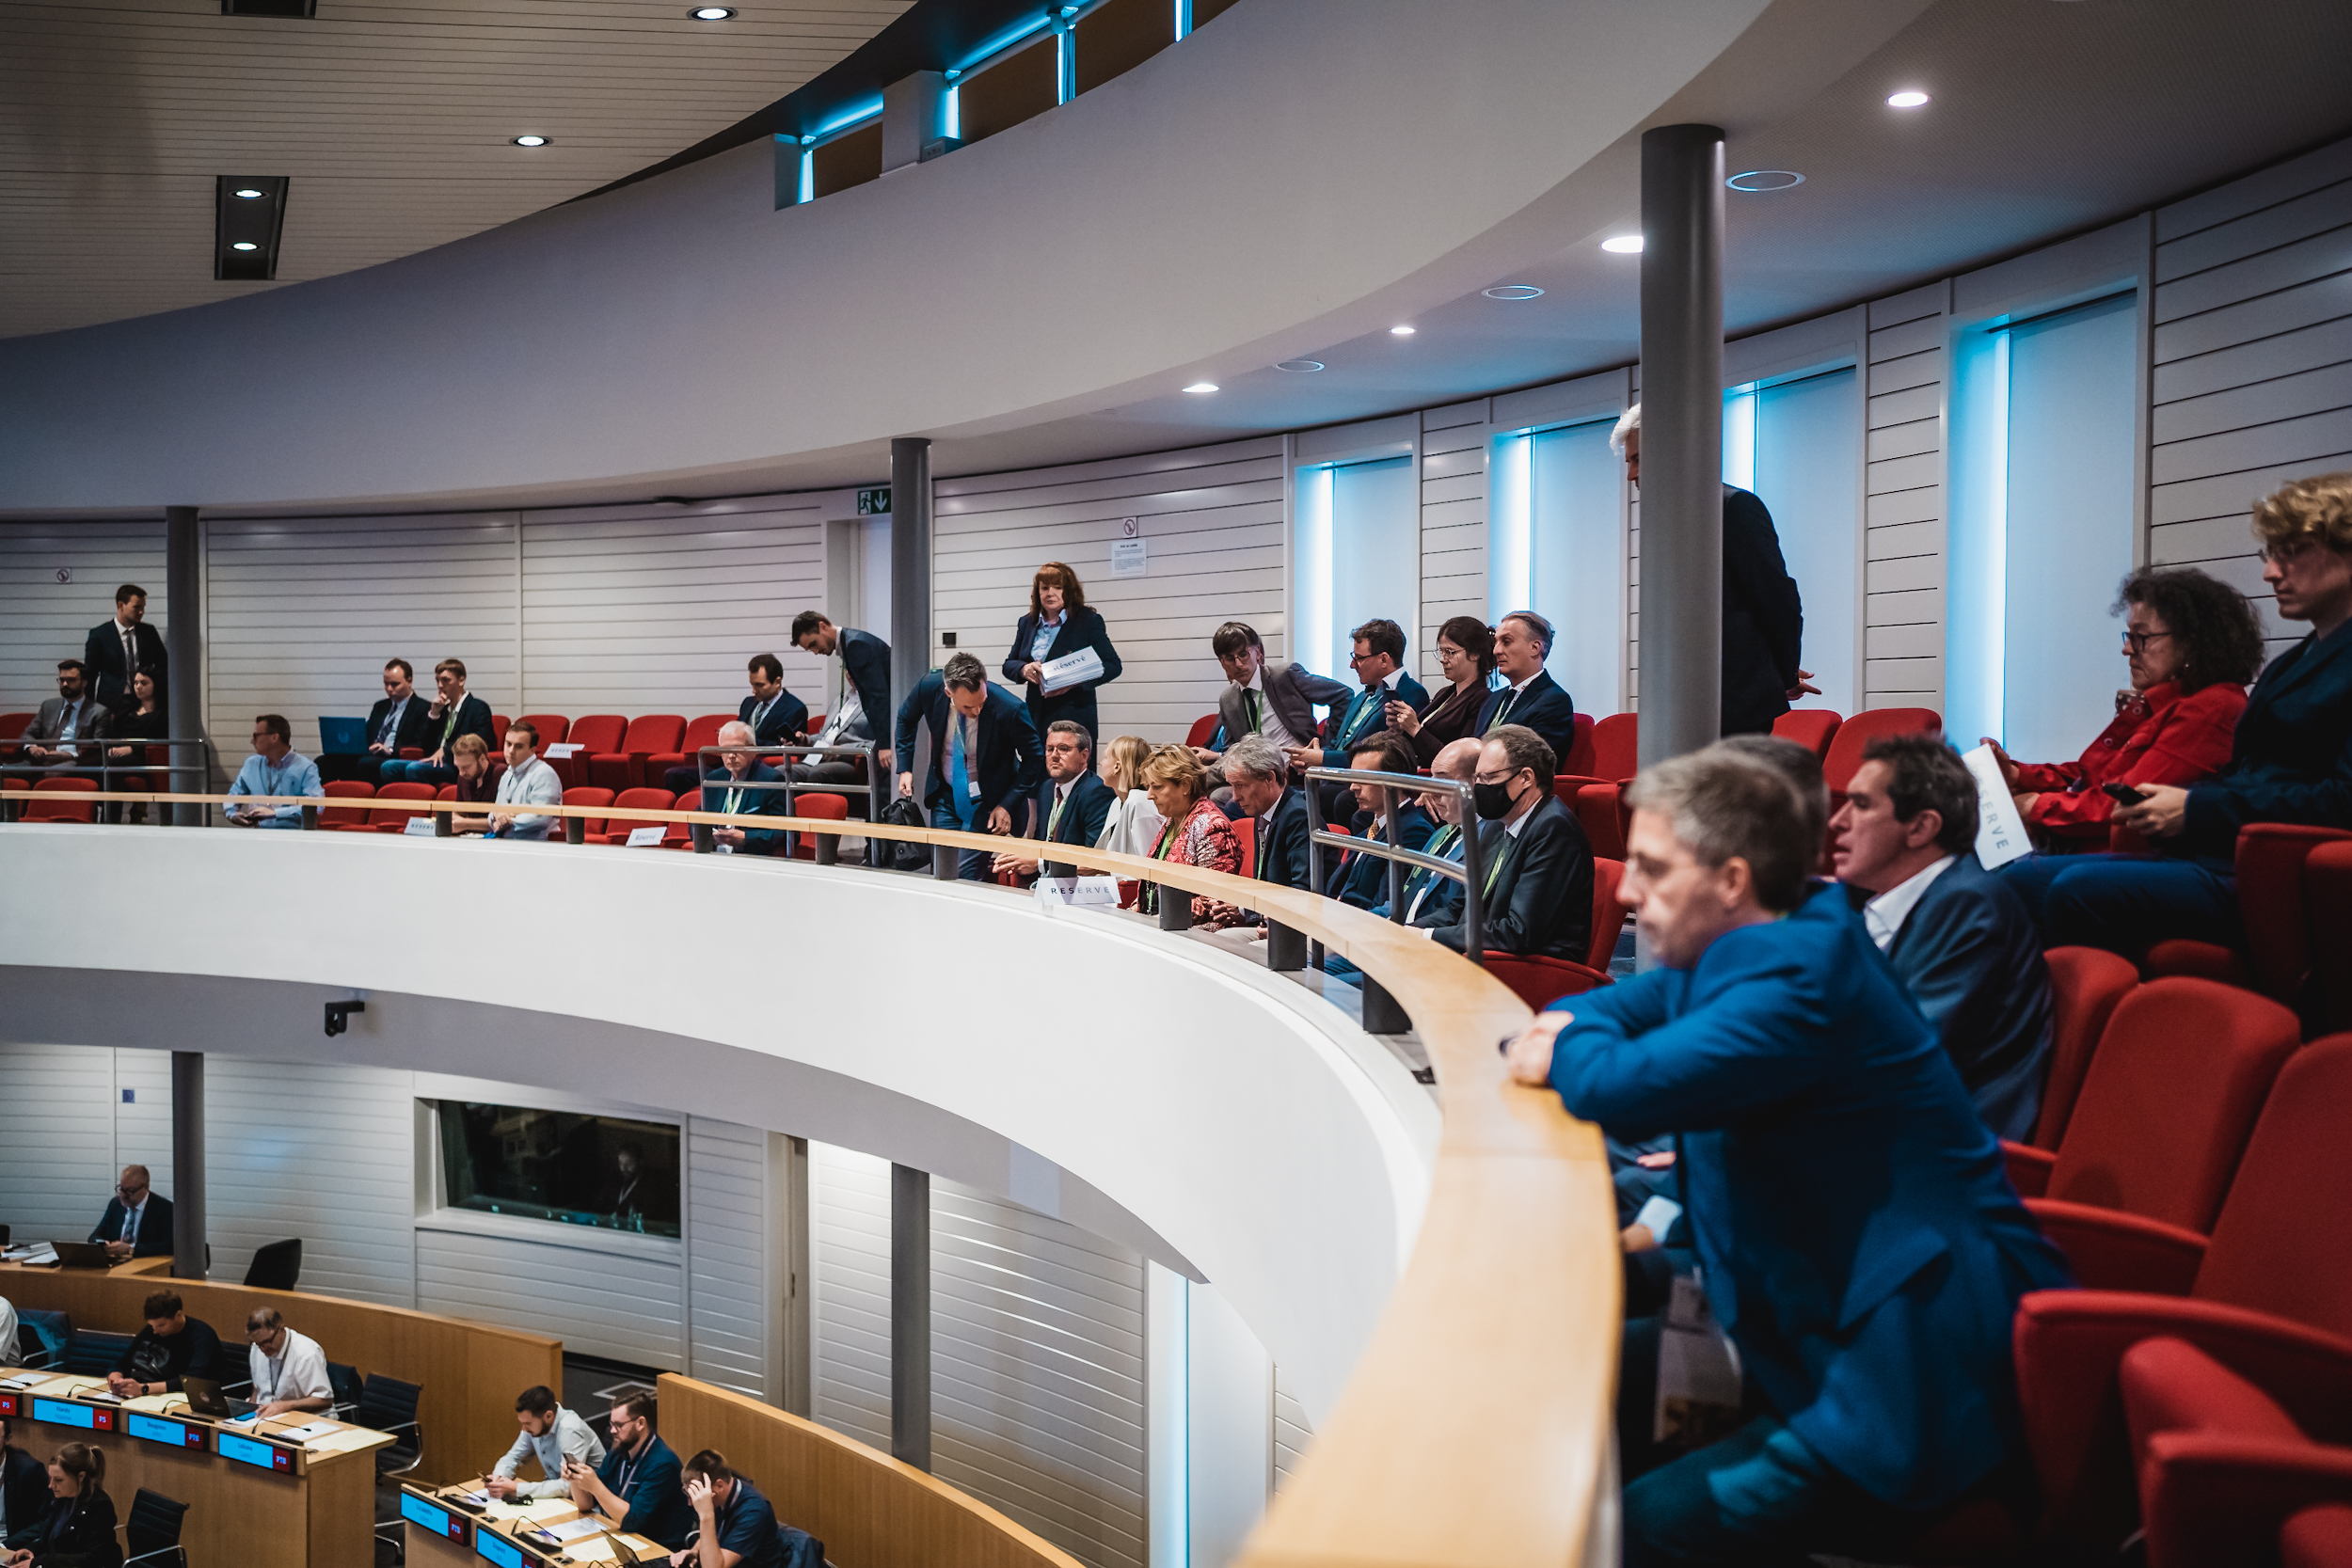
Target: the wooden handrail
(1476, 1427)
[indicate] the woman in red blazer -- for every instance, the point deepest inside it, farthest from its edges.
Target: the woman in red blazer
(2193, 645)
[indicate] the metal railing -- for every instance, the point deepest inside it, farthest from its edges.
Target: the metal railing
(1383, 1015)
(876, 789)
(92, 760)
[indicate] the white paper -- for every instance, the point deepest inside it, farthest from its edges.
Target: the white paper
(572, 1529)
(559, 748)
(308, 1431)
(1067, 671)
(1076, 890)
(419, 826)
(2000, 833)
(1127, 558)
(650, 833)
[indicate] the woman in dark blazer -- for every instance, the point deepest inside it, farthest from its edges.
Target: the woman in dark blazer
(1059, 623)
(1466, 653)
(80, 1529)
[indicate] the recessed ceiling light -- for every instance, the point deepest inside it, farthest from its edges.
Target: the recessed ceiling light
(1400, 331)
(711, 13)
(530, 141)
(1201, 386)
(1906, 99)
(1515, 291)
(1766, 180)
(1301, 367)
(248, 193)
(1623, 245)
(244, 244)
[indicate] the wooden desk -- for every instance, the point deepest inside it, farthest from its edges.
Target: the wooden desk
(318, 1512)
(137, 1267)
(428, 1545)
(469, 1372)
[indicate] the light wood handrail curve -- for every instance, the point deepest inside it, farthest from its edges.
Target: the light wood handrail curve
(1476, 1428)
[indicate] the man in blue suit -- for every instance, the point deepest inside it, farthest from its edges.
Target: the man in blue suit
(723, 790)
(984, 753)
(1378, 661)
(775, 716)
(1859, 1241)
(1362, 880)
(1961, 943)
(1529, 697)
(1070, 806)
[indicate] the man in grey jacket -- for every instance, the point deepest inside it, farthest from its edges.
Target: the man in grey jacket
(550, 1435)
(1263, 697)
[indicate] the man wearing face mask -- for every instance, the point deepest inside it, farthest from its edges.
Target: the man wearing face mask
(1536, 863)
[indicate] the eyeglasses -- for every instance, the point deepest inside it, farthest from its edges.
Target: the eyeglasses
(2286, 551)
(2138, 641)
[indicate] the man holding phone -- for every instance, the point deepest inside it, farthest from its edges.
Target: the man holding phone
(638, 1485)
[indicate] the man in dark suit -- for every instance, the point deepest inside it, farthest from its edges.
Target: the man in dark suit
(1961, 943)
(1362, 880)
(1379, 665)
(1537, 894)
(984, 753)
(1530, 697)
(775, 716)
(137, 1221)
(73, 715)
(1763, 610)
(864, 664)
(395, 721)
(23, 1486)
(1859, 1240)
(1278, 701)
(1070, 806)
(454, 712)
(724, 791)
(117, 649)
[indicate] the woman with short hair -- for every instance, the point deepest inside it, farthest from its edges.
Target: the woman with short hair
(1059, 623)
(1197, 833)
(1466, 655)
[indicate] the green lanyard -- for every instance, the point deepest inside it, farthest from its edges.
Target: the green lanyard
(1502, 852)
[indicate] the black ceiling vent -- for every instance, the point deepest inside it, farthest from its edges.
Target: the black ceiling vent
(248, 215)
(269, 7)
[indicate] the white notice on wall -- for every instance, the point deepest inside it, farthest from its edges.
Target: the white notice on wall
(1127, 558)
(2000, 832)
(650, 833)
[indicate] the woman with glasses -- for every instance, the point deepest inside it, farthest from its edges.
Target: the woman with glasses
(2192, 644)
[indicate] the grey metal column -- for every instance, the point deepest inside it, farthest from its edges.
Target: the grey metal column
(185, 690)
(910, 1316)
(1682, 439)
(910, 576)
(187, 1163)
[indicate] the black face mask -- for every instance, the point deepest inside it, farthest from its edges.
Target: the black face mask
(1493, 801)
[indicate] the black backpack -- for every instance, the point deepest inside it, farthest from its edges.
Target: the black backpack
(905, 854)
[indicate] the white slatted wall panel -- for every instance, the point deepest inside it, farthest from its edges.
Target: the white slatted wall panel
(849, 1255)
(57, 1141)
(623, 1307)
(1452, 524)
(1037, 1372)
(640, 609)
(1212, 524)
(316, 1151)
(305, 611)
(42, 620)
(1291, 1432)
(1903, 508)
(2254, 362)
(728, 1233)
(143, 1127)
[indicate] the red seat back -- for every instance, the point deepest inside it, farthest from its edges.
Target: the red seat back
(14, 724)
(704, 731)
(1608, 915)
(1809, 726)
(643, 800)
(1246, 834)
(2270, 860)
(1845, 748)
(1600, 811)
(499, 723)
(588, 796)
(597, 732)
(2084, 986)
(346, 789)
(56, 809)
(1580, 757)
(1616, 747)
(1540, 981)
(447, 792)
(2281, 1243)
(381, 815)
(2170, 1099)
(2327, 897)
(1203, 729)
(654, 732)
(819, 807)
(552, 727)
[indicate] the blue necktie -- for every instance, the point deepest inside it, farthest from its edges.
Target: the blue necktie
(957, 780)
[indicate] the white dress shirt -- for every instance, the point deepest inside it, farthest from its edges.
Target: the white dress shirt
(130, 1217)
(569, 1437)
(1883, 916)
(1270, 722)
(298, 1372)
(533, 783)
(846, 712)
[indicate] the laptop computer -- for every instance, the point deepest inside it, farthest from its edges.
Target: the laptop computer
(343, 737)
(205, 1399)
(81, 1255)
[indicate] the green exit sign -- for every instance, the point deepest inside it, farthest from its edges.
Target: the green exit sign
(874, 503)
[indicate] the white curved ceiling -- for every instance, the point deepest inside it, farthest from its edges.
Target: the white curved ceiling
(394, 118)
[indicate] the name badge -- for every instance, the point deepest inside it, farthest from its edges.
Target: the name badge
(419, 827)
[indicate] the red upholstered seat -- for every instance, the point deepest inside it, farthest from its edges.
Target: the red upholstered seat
(2328, 904)
(1600, 810)
(623, 765)
(2270, 895)
(1246, 834)
(618, 828)
(1845, 748)
(597, 732)
(346, 816)
(1204, 730)
(14, 724)
(394, 819)
(703, 730)
(586, 795)
(1581, 757)
(818, 806)
(499, 723)
(1814, 727)
(2268, 1296)
(1616, 747)
(2317, 1537)
(2084, 986)
(1542, 981)
(553, 727)
(48, 804)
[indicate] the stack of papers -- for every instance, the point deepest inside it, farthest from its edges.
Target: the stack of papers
(308, 1431)
(1069, 670)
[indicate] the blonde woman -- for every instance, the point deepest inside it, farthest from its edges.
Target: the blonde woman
(1133, 825)
(1196, 832)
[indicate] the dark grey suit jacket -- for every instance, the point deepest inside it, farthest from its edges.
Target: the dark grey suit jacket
(50, 721)
(1296, 692)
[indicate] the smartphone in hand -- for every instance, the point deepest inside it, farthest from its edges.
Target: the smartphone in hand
(2125, 794)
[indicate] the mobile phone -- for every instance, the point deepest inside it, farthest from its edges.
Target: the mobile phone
(2123, 793)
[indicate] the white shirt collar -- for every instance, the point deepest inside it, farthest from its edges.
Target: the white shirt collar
(1884, 915)
(1389, 680)
(1257, 679)
(1525, 684)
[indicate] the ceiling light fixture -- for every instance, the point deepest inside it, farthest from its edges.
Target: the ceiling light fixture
(711, 13)
(1515, 291)
(530, 141)
(248, 193)
(1623, 245)
(244, 244)
(1400, 331)
(1299, 366)
(1766, 180)
(1907, 98)
(1201, 386)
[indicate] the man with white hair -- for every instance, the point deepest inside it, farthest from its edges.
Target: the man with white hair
(1763, 612)
(723, 790)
